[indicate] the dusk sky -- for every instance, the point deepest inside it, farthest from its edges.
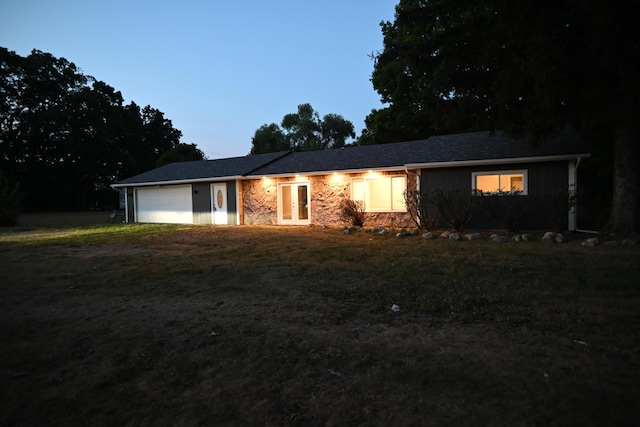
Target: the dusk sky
(217, 69)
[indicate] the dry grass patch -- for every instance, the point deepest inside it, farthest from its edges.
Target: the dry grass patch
(166, 325)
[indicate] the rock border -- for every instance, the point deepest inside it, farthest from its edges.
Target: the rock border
(549, 237)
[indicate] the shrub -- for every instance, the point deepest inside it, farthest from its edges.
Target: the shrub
(456, 207)
(505, 206)
(423, 214)
(352, 212)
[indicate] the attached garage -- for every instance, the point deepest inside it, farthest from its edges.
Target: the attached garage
(184, 192)
(169, 205)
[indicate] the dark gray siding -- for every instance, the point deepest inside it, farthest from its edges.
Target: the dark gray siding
(232, 203)
(201, 203)
(130, 207)
(546, 180)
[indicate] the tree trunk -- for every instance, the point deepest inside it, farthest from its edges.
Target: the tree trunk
(625, 207)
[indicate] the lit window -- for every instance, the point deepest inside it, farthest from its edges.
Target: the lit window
(500, 181)
(380, 194)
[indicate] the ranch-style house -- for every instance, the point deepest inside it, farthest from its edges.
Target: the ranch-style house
(305, 188)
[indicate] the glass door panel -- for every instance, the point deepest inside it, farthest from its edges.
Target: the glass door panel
(303, 202)
(287, 205)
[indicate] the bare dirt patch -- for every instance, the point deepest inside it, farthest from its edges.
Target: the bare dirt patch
(102, 251)
(293, 326)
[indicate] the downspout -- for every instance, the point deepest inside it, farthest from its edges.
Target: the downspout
(126, 205)
(575, 208)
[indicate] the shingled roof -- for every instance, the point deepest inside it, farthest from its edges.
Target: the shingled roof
(436, 151)
(202, 170)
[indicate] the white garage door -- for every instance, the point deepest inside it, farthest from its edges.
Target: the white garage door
(170, 205)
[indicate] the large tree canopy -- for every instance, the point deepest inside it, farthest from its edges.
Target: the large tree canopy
(526, 67)
(303, 131)
(64, 135)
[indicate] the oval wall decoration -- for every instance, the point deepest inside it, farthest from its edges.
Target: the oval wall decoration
(220, 198)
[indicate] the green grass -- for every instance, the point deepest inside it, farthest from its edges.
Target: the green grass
(169, 325)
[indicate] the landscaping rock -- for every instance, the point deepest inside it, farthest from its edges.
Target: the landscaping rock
(474, 236)
(445, 235)
(548, 236)
(498, 239)
(428, 235)
(552, 237)
(454, 236)
(376, 230)
(592, 241)
(404, 233)
(517, 238)
(527, 237)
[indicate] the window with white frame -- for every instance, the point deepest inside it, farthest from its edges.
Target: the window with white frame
(380, 193)
(500, 181)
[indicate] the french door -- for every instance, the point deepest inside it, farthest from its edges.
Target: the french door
(294, 207)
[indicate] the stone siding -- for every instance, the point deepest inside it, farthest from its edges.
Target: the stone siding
(327, 191)
(260, 201)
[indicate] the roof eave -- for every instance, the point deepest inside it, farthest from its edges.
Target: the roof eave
(500, 161)
(326, 172)
(176, 182)
(426, 165)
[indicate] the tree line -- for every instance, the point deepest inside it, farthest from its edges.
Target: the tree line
(65, 136)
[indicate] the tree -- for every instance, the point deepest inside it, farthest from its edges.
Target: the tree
(269, 139)
(335, 131)
(527, 67)
(64, 136)
(303, 131)
(181, 153)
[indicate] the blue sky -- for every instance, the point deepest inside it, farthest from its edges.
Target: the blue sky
(217, 69)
